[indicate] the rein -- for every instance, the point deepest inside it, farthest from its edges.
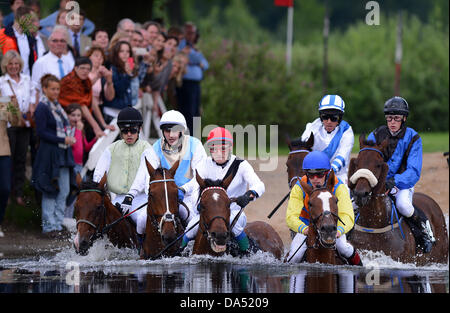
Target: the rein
(98, 233)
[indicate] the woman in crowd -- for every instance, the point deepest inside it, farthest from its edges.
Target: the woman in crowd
(122, 74)
(100, 38)
(98, 71)
(53, 167)
(22, 90)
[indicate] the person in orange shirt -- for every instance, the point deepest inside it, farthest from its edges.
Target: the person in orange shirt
(76, 87)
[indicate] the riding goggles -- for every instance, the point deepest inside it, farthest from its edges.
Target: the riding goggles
(397, 118)
(132, 130)
(316, 173)
(331, 117)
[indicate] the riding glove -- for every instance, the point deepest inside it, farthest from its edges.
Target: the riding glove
(126, 204)
(243, 200)
(390, 183)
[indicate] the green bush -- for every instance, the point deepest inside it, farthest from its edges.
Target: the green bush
(248, 84)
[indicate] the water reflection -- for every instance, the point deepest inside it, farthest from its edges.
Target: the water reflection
(222, 278)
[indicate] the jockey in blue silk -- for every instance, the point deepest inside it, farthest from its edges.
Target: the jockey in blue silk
(404, 158)
(332, 134)
(317, 167)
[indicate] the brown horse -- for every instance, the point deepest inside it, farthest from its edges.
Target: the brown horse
(214, 225)
(94, 211)
(323, 212)
(373, 230)
(163, 222)
(298, 149)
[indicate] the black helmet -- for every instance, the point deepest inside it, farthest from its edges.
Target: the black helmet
(396, 105)
(129, 117)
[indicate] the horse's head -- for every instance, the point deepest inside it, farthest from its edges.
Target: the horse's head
(90, 213)
(298, 149)
(323, 211)
(162, 208)
(215, 211)
(367, 173)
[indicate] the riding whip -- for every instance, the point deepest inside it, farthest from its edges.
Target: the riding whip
(107, 227)
(297, 250)
(278, 206)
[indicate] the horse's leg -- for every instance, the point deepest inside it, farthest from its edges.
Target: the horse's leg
(266, 237)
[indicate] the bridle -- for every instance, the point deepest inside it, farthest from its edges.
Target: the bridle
(98, 230)
(207, 226)
(313, 222)
(167, 216)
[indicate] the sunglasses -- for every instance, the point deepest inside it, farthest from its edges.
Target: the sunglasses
(331, 117)
(132, 130)
(318, 174)
(396, 118)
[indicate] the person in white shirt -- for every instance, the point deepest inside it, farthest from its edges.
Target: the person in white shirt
(20, 88)
(54, 62)
(332, 134)
(245, 186)
(172, 147)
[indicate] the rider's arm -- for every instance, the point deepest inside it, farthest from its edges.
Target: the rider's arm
(342, 155)
(142, 177)
(102, 165)
(411, 175)
(295, 206)
(199, 155)
(250, 177)
(345, 209)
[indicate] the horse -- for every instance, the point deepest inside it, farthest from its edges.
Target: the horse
(374, 230)
(214, 224)
(93, 212)
(322, 230)
(163, 224)
(298, 149)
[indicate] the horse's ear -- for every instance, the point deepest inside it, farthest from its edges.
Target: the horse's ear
(288, 140)
(174, 168)
(150, 168)
(362, 138)
(200, 180)
(384, 145)
(102, 183)
(227, 181)
(351, 171)
(78, 180)
(330, 181)
(310, 142)
(306, 188)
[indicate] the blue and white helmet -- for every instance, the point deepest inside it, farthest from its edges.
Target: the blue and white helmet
(332, 102)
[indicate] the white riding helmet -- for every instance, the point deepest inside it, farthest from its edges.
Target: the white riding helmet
(333, 102)
(173, 117)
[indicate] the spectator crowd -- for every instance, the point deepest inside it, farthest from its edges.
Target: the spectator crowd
(63, 84)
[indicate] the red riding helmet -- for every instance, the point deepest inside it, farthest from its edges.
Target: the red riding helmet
(219, 135)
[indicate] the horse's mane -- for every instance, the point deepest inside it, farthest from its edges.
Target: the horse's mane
(93, 185)
(369, 143)
(213, 183)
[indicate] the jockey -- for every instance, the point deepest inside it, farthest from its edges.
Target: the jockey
(174, 145)
(332, 134)
(121, 159)
(317, 167)
(216, 167)
(404, 158)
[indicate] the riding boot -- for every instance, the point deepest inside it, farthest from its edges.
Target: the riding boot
(183, 245)
(421, 229)
(140, 242)
(243, 244)
(354, 259)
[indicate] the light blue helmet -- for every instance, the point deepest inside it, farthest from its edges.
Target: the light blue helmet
(316, 161)
(332, 102)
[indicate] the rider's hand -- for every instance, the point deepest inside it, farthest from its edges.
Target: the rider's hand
(126, 204)
(243, 200)
(390, 183)
(305, 231)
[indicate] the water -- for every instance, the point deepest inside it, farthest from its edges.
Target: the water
(107, 269)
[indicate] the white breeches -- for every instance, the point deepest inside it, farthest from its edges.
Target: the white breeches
(142, 218)
(345, 249)
(238, 228)
(403, 201)
(139, 200)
